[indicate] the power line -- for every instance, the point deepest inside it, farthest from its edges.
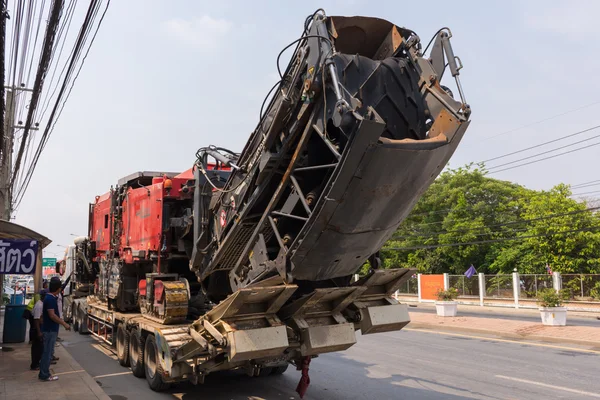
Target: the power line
(59, 104)
(545, 143)
(55, 14)
(586, 184)
(527, 220)
(580, 194)
(588, 229)
(542, 120)
(544, 152)
(545, 158)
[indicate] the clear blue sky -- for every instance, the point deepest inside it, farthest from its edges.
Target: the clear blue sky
(165, 78)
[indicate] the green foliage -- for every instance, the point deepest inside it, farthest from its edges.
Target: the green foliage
(5, 299)
(595, 291)
(466, 206)
(549, 298)
(447, 295)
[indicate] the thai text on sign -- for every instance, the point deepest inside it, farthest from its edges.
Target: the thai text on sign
(18, 256)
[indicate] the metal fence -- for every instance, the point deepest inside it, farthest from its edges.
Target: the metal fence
(531, 284)
(499, 286)
(467, 287)
(499, 290)
(410, 287)
(582, 287)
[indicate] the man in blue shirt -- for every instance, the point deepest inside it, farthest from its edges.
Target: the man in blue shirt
(50, 324)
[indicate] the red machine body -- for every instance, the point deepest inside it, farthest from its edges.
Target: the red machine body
(142, 218)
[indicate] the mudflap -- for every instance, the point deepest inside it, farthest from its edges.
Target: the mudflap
(375, 309)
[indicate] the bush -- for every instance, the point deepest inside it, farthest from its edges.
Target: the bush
(550, 298)
(595, 291)
(447, 295)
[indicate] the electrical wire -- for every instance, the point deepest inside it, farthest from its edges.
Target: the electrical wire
(527, 220)
(584, 184)
(545, 143)
(55, 14)
(544, 152)
(587, 229)
(542, 120)
(585, 193)
(61, 99)
(545, 158)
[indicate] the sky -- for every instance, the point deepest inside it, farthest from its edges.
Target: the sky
(165, 78)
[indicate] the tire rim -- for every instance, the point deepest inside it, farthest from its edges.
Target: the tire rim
(150, 362)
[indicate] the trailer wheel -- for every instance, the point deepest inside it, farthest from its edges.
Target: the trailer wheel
(279, 370)
(75, 318)
(136, 353)
(153, 367)
(265, 371)
(123, 346)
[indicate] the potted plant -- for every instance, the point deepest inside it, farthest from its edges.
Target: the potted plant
(446, 304)
(551, 310)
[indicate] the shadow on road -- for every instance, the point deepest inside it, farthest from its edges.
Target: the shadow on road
(349, 380)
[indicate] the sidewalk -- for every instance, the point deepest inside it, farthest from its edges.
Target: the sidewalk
(17, 381)
(504, 311)
(581, 335)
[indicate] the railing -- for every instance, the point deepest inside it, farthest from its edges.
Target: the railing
(531, 284)
(411, 287)
(467, 287)
(582, 287)
(499, 286)
(515, 290)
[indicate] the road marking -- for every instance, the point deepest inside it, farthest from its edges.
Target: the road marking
(115, 374)
(551, 346)
(564, 389)
(69, 372)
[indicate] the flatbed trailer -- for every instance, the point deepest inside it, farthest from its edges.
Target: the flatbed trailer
(251, 330)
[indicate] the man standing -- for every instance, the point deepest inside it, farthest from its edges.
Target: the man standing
(50, 324)
(35, 334)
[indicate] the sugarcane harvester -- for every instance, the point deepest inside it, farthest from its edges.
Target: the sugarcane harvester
(249, 257)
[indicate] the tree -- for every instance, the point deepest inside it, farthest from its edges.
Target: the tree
(468, 218)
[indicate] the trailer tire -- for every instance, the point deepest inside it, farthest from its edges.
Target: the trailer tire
(265, 371)
(279, 370)
(74, 318)
(136, 353)
(152, 366)
(123, 345)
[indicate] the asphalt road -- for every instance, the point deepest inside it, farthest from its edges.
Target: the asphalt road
(498, 314)
(410, 364)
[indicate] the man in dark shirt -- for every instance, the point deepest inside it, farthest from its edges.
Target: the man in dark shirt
(50, 324)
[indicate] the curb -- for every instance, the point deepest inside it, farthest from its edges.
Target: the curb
(87, 378)
(437, 327)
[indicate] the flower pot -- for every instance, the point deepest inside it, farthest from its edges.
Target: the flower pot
(554, 316)
(446, 308)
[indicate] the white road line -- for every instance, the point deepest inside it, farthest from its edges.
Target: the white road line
(115, 374)
(495, 339)
(69, 372)
(564, 389)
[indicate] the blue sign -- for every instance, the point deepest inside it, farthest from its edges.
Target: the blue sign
(18, 256)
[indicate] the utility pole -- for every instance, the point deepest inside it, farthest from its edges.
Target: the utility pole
(4, 182)
(7, 150)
